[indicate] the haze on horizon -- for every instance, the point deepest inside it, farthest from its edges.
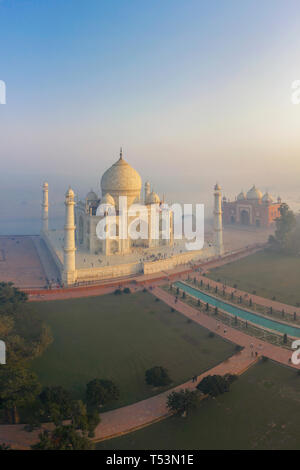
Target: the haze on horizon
(194, 91)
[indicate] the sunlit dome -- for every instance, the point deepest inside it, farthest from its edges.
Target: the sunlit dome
(153, 198)
(122, 180)
(254, 193)
(241, 196)
(267, 197)
(108, 199)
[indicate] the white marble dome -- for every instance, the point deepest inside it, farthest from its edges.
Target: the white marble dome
(108, 199)
(241, 196)
(267, 198)
(122, 180)
(254, 194)
(153, 198)
(92, 196)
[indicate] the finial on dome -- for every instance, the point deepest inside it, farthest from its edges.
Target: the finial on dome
(121, 153)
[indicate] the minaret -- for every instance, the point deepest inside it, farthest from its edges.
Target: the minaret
(218, 226)
(147, 191)
(69, 272)
(45, 207)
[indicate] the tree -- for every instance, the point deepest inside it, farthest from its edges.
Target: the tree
(25, 334)
(18, 387)
(183, 401)
(287, 234)
(99, 392)
(157, 376)
(56, 402)
(215, 385)
(74, 435)
(63, 437)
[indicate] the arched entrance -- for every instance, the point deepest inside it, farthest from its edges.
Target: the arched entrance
(245, 219)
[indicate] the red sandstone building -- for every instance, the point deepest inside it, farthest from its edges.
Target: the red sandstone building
(251, 209)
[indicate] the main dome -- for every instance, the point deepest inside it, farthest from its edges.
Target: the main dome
(122, 180)
(254, 194)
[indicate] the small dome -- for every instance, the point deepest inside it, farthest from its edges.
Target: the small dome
(108, 199)
(70, 193)
(153, 198)
(267, 197)
(217, 187)
(241, 196)
(92, 196)
(254, 194)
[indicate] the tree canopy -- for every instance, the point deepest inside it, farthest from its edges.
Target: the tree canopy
(287, 234)
(99, 392)
(183, 401)
(24, 332)
(157, 376)
(215, 385)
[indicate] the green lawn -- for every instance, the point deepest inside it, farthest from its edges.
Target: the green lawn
(261, 411)
(118, 338)
(269, 274)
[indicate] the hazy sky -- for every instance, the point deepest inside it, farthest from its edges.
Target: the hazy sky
(195, 91)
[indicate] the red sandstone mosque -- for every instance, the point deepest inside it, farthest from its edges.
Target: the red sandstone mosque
(252, 208)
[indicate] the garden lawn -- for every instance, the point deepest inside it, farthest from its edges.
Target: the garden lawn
(269, 274)
(261, 411)
(118, 338)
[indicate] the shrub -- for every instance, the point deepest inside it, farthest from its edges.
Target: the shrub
(285, 338)
(99, 392)
(157, 376)
(183, 401)
(118, 292)
(126, 290)
(214, 385)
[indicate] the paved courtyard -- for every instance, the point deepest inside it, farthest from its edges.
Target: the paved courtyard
(20, 262)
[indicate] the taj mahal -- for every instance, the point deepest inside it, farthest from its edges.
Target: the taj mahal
(82, 256)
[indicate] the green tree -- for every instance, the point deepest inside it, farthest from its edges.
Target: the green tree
(215, 385)
(63, 437)
(18, 387)
(157, 376)
(287, 234)
(100, 392)
(56, 403)
(183, 402)
(25, 334)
